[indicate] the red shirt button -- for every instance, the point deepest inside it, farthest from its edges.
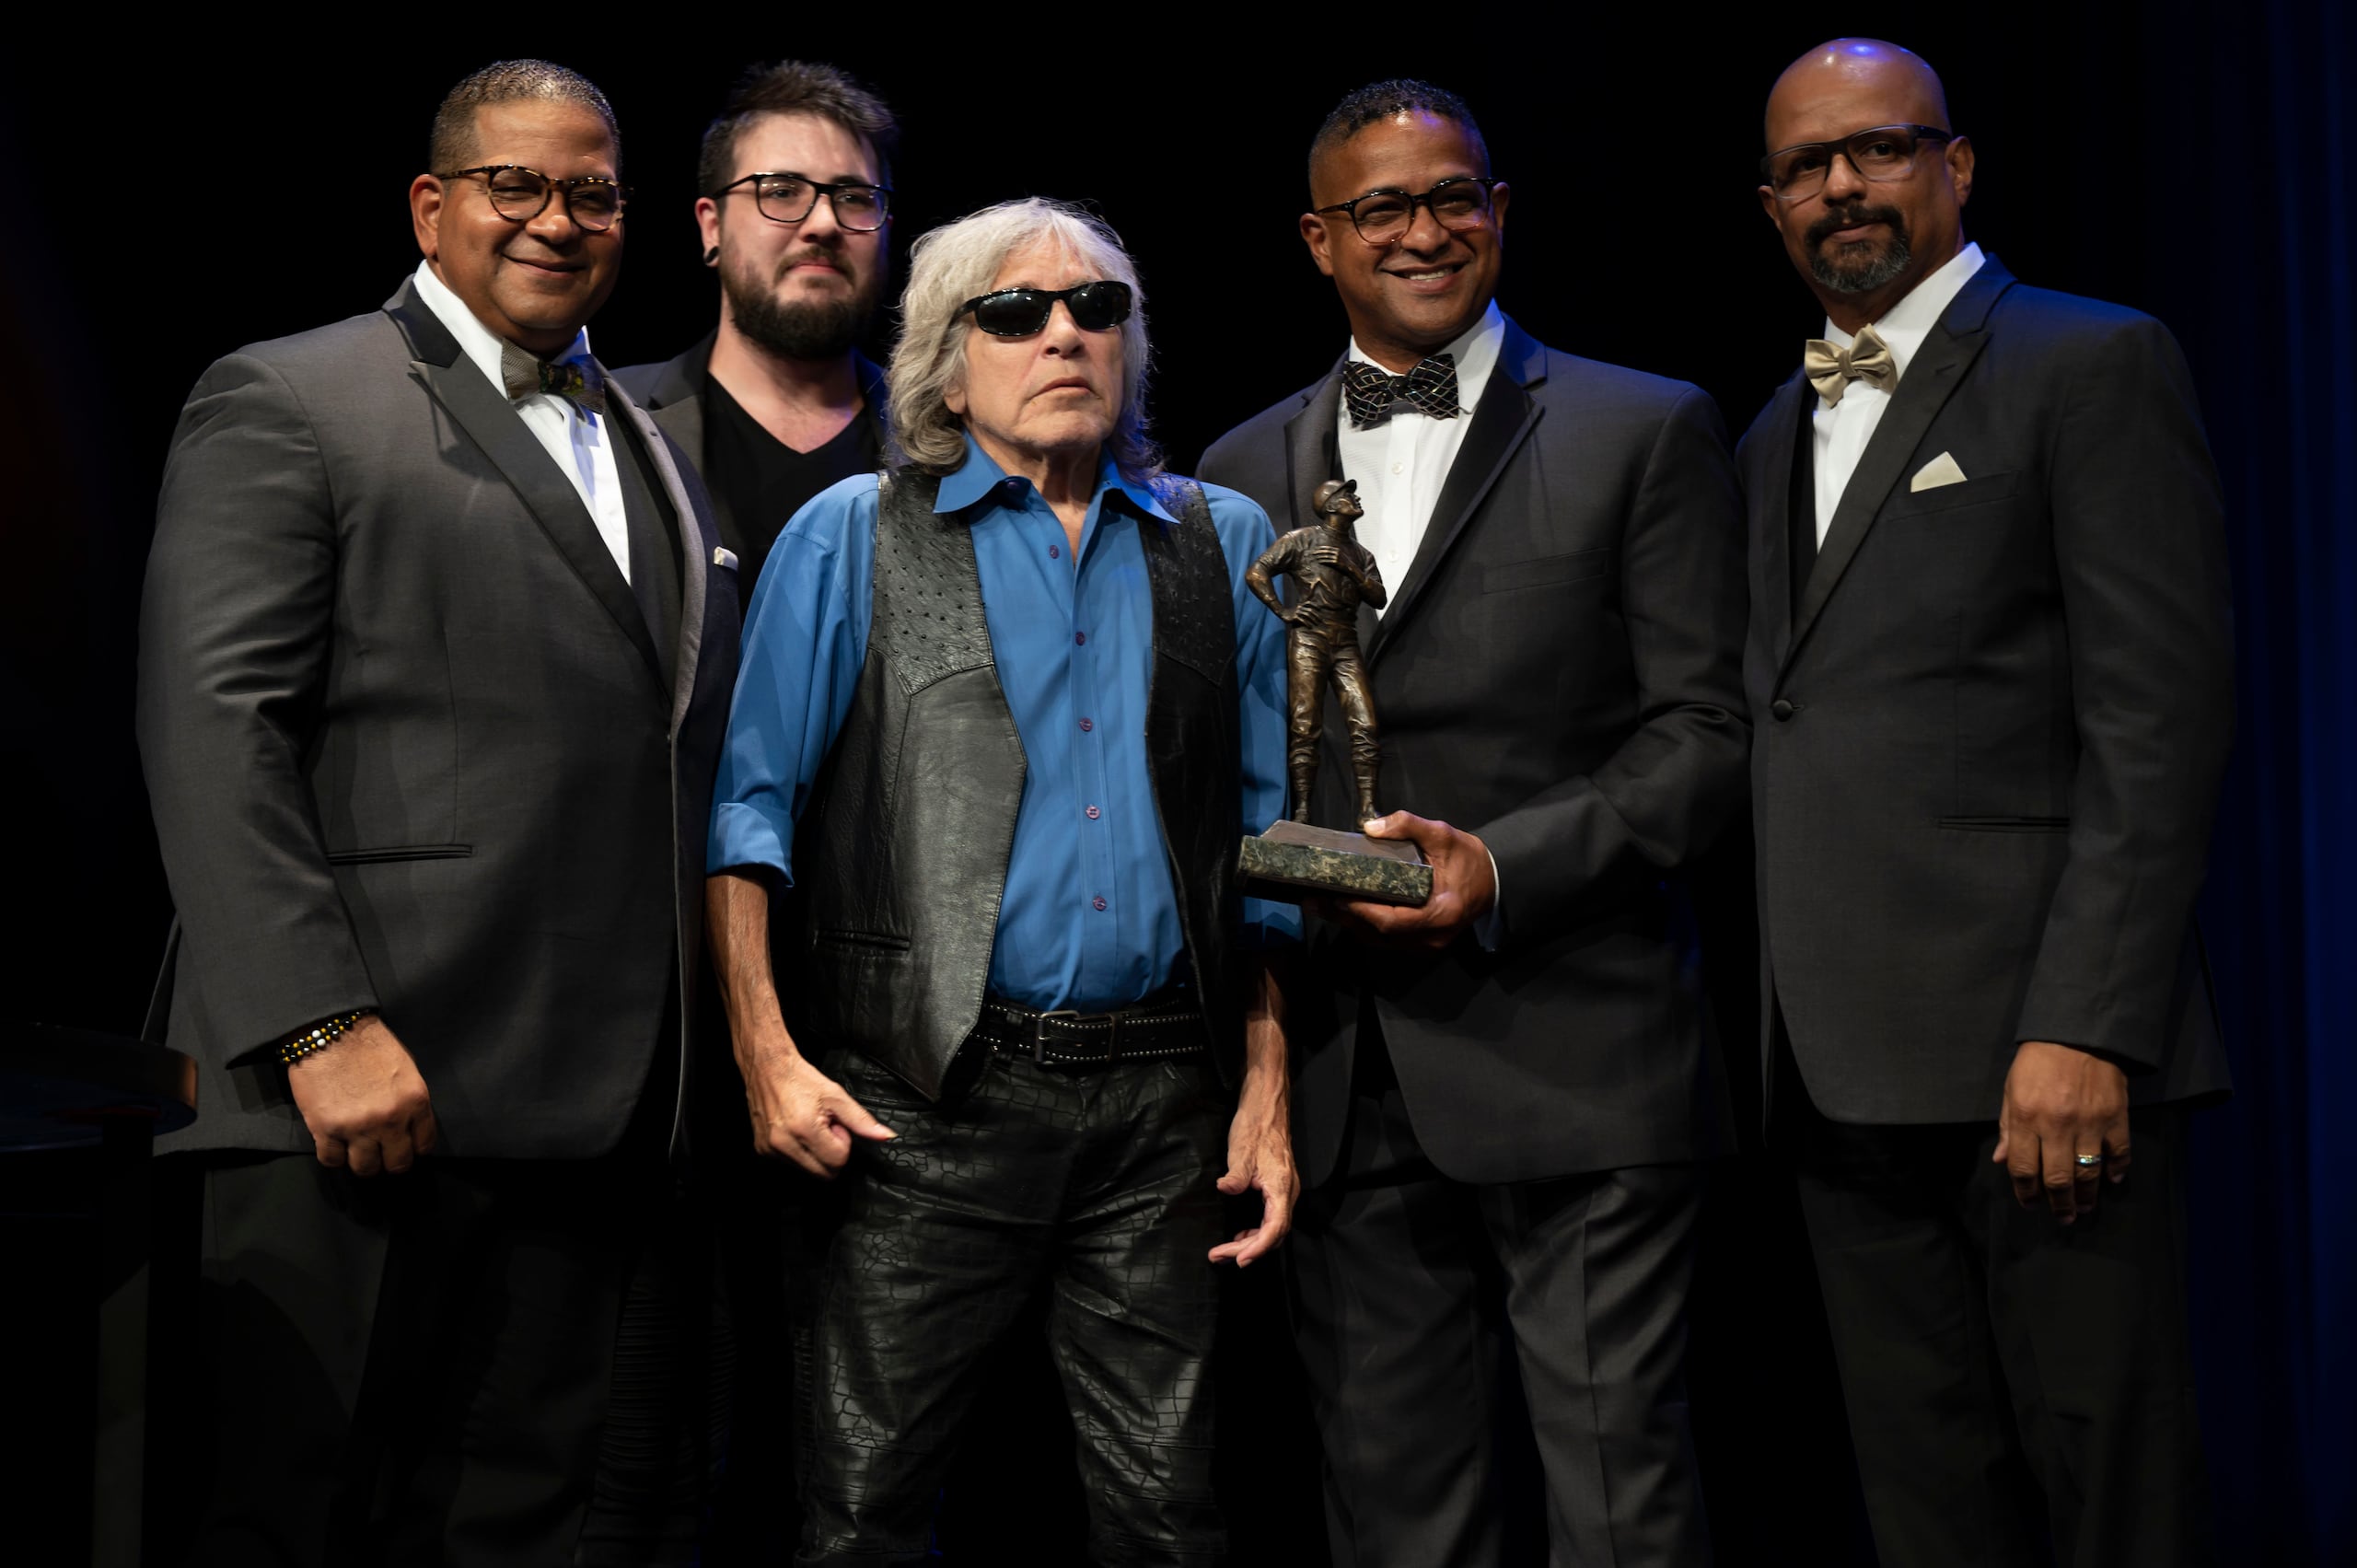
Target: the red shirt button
(1092, 814)
(1096, 903)
(1080, 636)
(1088, 723)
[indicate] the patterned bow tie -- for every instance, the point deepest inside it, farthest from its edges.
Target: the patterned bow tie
(1831, 370)
(575, 379)
(1429, 388)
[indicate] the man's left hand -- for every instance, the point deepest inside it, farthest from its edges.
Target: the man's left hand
(1259, 1155)
(2062, 1103)
(1465, 887)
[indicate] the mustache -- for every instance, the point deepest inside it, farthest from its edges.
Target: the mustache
(805, 258)
(1849, 217)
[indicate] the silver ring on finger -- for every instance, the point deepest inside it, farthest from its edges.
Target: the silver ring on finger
(2087, 1162)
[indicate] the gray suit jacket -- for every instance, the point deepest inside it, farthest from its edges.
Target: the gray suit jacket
(409, 743)
(1991, 726)
(1558, 672)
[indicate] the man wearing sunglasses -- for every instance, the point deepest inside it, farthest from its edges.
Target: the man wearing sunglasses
(1512, 1078)
(433, 657)
(1006, 713)
(795, 206)
(1990, 667)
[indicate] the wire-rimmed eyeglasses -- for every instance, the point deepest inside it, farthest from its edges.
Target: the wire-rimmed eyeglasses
(1879, 153)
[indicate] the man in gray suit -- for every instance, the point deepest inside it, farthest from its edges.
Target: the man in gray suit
(435, 654)
(1512, 1081)
(1991, 670)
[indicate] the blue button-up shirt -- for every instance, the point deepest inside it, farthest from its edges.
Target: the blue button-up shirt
(1089, 918)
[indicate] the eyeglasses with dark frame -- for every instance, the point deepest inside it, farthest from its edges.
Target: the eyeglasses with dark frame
(520, 194)
(1384, 218)
(1019, 312)
(1879, 153)
(786, 197)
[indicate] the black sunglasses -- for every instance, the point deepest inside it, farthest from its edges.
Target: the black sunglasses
(1019, 312)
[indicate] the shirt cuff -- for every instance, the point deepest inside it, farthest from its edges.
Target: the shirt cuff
(741, 835)
(1268, 924)
(1491, 929)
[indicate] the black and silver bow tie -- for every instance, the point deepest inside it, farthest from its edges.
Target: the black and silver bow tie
(576, 378)
(1370, 390)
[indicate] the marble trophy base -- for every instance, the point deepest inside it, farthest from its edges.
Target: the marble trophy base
(1292, 858)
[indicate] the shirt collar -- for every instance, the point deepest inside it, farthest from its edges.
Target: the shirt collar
(1905, 324)
(978, 475)
(1475, 350)
(480, 342)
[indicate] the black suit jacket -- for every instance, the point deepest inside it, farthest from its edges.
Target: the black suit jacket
(1991, 724)
(673, 391)
(410, 743)
(1558, 673)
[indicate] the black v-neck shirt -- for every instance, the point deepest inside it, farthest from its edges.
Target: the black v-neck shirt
(761, 482)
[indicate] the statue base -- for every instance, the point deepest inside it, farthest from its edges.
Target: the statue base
(1292, 858)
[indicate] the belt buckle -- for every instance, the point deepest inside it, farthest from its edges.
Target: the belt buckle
(1039, 1032)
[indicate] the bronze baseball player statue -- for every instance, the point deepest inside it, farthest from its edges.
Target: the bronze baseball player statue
(1335, 573)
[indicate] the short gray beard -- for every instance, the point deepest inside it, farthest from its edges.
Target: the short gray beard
(1863, 278)
(825, 330)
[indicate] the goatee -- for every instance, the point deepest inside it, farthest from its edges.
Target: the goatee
(1859, 269)
(824, 329)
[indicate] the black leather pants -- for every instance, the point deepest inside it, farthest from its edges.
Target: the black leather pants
(1093, 1189)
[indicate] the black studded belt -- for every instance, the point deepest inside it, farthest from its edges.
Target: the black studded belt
(1065, 1038)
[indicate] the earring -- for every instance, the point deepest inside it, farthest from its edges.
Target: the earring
(712, 257)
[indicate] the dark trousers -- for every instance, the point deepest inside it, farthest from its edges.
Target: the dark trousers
(475, 1362)
(2009, 1379)
(1387, 1262)
(1092, 1189)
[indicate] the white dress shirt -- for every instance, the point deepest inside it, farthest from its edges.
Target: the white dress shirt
(575, 438)
(1842, 429)
(1402, 464)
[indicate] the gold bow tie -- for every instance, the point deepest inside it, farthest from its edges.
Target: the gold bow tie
(1831, 370)
(577, 379)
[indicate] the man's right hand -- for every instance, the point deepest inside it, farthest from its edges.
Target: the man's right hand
(801, 1114)
(363, 1100)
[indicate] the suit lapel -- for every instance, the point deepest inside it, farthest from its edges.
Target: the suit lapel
(696, 548)
(1501, 423)
(1937, 370)
(1783, 419)
(485, 414)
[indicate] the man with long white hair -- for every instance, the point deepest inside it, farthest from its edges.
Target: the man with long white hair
(1005, 709)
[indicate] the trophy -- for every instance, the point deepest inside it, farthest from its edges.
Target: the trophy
(1335, 573)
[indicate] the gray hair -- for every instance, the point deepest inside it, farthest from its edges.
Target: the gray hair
(959, 261)
(510, 81)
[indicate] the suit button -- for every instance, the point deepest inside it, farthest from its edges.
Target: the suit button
(1782, 709)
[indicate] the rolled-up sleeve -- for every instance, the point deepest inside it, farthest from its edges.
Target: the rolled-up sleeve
(1245, 532)
(804, 641)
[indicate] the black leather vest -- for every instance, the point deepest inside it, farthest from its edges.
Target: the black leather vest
(903, 849)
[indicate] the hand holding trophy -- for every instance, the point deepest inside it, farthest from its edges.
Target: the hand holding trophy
(1335, 573)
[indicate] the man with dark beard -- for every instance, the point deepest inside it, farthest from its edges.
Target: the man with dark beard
(1989, 672)
(777, 403)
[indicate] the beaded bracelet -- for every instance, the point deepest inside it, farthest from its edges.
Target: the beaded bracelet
(317, 1038)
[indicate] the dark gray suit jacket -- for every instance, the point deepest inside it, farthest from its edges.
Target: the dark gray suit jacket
(1558, 673)
(1990, 732)
(673, 390)
(409, 743)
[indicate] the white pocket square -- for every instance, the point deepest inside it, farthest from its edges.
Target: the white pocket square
(1940, 470)
(722, 556)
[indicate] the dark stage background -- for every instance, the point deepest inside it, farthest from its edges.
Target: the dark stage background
(170, 199)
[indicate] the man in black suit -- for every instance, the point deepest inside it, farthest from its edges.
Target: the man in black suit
(434, 657)
(1990, 667)
(1512, 1079)
(777, 402)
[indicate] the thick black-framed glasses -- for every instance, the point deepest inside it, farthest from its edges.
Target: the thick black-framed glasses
(1384, 218)
(520, 194)
(1879, 152)
(786, 197)
(1019, 312)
